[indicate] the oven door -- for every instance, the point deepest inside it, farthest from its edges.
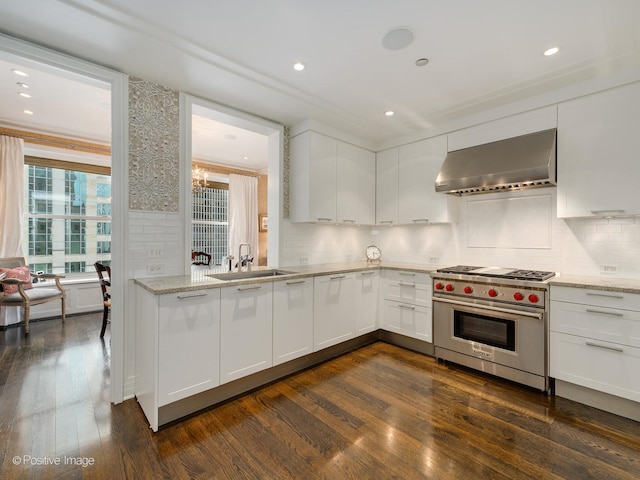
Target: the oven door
(504, 336)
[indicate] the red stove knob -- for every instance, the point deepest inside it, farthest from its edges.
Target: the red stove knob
(439, 286)
(449, 287)
(493, 293)
(518, 296)
(468, 289)
(533, 298)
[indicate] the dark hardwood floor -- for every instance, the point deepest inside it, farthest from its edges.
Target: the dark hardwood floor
(379, 412)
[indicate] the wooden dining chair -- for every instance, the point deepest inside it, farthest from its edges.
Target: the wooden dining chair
(17, 287)
(105, 285)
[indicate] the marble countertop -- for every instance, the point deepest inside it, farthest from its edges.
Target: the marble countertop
(606, 283)
(200, 277)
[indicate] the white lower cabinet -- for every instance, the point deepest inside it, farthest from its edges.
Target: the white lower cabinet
(333, 309)
(292, 319)
(594, 340)
(246, 330)
(367, 300)
(407, 304)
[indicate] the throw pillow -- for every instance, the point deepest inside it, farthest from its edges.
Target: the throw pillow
(21, 273)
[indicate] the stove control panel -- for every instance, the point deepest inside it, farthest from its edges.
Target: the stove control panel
(529, 296)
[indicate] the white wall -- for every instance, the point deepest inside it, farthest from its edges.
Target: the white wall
(575, 246)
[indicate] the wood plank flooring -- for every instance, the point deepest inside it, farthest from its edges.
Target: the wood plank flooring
(380, 412)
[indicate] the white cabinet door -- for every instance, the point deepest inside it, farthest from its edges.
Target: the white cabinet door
(407, 319)
(188, 344)
(333, 309)
(387, 187)
(246, 330)
(418, 167)
(598, 145)
(292, 319)
(355, 184)
(313, 178)
(367, 299)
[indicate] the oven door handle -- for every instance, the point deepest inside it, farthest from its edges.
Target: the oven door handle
(479, 308)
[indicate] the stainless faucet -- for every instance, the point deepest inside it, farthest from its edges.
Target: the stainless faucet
(240, 256)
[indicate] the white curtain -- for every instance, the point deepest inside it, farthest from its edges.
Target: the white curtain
(243, 215)
(11, 196)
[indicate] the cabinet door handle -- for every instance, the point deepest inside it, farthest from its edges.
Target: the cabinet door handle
(407, 274)
(612, 211)
(385, 222)
(405, 284)
(407, 307)
(607, 295)
(606, 347)
(368, 273)
(348, 221)
(420, 220)
(245, 289)
(324, 219)
(296, 282)
(602, 312)
(195, 295)
(337, 277)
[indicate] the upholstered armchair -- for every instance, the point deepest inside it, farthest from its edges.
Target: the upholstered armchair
(17, 288)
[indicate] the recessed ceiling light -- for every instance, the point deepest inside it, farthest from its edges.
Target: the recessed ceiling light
(421, 62)
(28, 112)
(389, 113)
(397, 38)
(23, 85)
(246, 158)
(19, 72)
(298, 66)
(551, 51)
(24, 94)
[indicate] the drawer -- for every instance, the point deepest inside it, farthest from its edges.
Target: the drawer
(408, 292)
(406, 276)
(602, 366)
(410, 320)
(601, 323)
(602, 298)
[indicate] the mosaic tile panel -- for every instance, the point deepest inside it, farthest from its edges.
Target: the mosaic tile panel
(154, 147)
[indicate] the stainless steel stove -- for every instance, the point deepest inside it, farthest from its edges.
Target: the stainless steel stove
(493, 319)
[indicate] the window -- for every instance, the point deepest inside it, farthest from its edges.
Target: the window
(68, 215)
(209, 222)
(74, 267)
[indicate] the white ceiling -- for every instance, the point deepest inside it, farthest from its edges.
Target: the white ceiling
(482, 54)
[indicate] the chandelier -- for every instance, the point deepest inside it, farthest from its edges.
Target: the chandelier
(198, 180)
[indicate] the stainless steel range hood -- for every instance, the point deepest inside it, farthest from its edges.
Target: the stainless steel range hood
(527, 161)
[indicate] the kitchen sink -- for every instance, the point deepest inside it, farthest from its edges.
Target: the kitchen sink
(243, 275)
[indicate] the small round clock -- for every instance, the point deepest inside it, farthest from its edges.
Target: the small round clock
(373, 254)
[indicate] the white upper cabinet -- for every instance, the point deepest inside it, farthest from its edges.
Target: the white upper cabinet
(418, 167)
(387, 187)
(331, 181)
(405, 184)
(355, 184)
(598, 145)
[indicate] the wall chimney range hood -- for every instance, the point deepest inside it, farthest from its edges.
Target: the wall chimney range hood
(527, 161)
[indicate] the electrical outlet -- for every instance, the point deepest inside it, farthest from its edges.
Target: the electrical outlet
(154, 269)
(434, 260)
(609, 269)
(154, 252)
(304, 260)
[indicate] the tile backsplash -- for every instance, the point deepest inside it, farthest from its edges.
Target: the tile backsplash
(577, 246)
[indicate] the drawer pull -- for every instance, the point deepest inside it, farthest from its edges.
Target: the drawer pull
(324, 219)
(246, 289)
(405, 284)
(337, 277)
(611, 212)
(296, 282)
(407, 307)
(368, 273)
(420, 220)
(602, 312)
(346, 220)
(607, 295)
(407, 274)
(195, 295)
(385, 222)
(606, 347)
